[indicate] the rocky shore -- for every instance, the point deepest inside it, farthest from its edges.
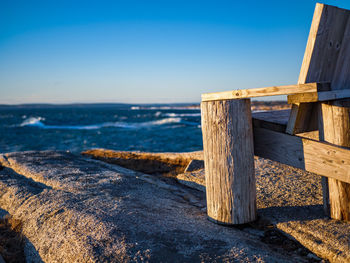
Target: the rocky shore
(87, 208)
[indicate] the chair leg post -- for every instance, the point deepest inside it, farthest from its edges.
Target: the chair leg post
(334, 128)
(229, 161)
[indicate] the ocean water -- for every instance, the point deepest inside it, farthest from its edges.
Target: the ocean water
(152, 128)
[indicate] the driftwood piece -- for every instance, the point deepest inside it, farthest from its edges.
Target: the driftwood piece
(229, 161)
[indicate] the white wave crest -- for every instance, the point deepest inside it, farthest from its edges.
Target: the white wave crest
(182, 114)
(33, 121)
(194, 107)
(163, 121)
(37, 122)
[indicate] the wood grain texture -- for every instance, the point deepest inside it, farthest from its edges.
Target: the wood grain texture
(303, 118)
(326, 58)
(313, 135)
(261, 92)
(310, 45)
(313, 156)
(293, 119)
(341, 78)
(335, 129)
(324, 44)
(229, 161)
(324, 180)
(318, 96)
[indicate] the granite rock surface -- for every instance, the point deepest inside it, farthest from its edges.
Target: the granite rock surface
(291, 200)
(74, 209)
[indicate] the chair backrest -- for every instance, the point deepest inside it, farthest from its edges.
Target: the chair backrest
(327, 54)
(326, 59)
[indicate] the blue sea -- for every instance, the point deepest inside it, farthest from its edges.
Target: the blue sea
(78, 127)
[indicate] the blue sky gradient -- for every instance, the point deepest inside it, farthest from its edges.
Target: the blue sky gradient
(148, 51)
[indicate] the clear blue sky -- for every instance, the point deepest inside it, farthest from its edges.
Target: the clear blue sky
(148, 51)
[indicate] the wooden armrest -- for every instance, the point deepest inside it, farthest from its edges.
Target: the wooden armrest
(269, 91)
(319, 96)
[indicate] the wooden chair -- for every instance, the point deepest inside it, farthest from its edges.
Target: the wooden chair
(314, 135)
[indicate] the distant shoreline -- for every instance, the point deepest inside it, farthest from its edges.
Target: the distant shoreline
(194, 105)
(79, 105)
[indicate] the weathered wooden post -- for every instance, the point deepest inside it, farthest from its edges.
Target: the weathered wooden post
(335, 129)
(229, 161)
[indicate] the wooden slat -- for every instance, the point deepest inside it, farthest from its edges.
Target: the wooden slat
(313, 156)
(314, 135)
(324, 44)
(272, 120)
(341, 78)
(318, 96)
(303, 97)
(302, 118)
(262, 92)
(326, 58)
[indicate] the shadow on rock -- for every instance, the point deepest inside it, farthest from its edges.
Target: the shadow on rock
(292, 213)
(14, 246)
